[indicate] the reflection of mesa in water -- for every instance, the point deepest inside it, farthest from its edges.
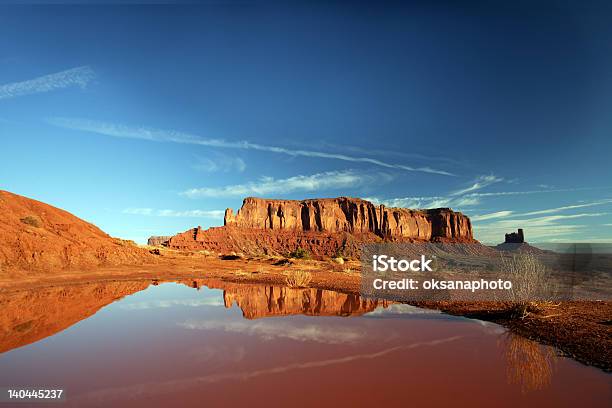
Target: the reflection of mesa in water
(265, 301)
(31, 315)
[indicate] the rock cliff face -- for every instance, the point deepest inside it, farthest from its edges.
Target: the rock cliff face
(157, 240)
(351, 215)
(324, 227)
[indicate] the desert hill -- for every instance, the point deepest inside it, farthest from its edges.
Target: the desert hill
(38, 236)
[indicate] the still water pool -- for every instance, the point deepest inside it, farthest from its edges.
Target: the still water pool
(209, 344)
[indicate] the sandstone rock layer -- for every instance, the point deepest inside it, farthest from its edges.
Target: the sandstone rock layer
(158, 240)
(350, 215)
(324, 227)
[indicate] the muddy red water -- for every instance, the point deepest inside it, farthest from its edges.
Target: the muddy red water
(135, 344)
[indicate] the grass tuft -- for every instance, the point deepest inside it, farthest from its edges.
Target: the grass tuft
(298, 279)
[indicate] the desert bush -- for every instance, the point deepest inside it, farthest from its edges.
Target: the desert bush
(338, 260)
(32, 220)
(298, 279)
(530, 283)
(300, 253)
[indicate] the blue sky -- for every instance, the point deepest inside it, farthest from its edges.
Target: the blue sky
(151, 119)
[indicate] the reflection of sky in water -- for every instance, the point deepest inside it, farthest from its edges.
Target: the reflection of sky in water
(171, 294)
(170, 340)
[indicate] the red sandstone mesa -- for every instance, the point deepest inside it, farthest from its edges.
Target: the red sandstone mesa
(323, 227)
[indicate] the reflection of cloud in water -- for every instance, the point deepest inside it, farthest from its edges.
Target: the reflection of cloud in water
(269, 330)
(218, 354)
(150, 389)
(161, 304)
(401, 309)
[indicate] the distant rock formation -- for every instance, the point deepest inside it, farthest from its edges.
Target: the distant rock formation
(157, 240)
(515, 242)
(515, 237)
(351, 215)
(324, 227)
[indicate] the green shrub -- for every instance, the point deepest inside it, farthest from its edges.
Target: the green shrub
(300, 253)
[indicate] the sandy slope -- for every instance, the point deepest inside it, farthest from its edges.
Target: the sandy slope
(37, 236)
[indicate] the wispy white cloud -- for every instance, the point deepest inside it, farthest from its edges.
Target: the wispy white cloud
(498, 214)
(142, 133)
(568, 207)
(175, 213)
(549, 219)
(427, 202)
(269, 185)
(219, 163)
(506, 213)
(478, 184)
(457, 199)
(527, 192)
(79, 76)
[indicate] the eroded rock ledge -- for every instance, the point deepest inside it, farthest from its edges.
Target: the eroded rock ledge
(323, 227)
(352, 215)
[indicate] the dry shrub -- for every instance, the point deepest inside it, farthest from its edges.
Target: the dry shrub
(32, 220)
(529, 364)
(530, 283)
(298, 279)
